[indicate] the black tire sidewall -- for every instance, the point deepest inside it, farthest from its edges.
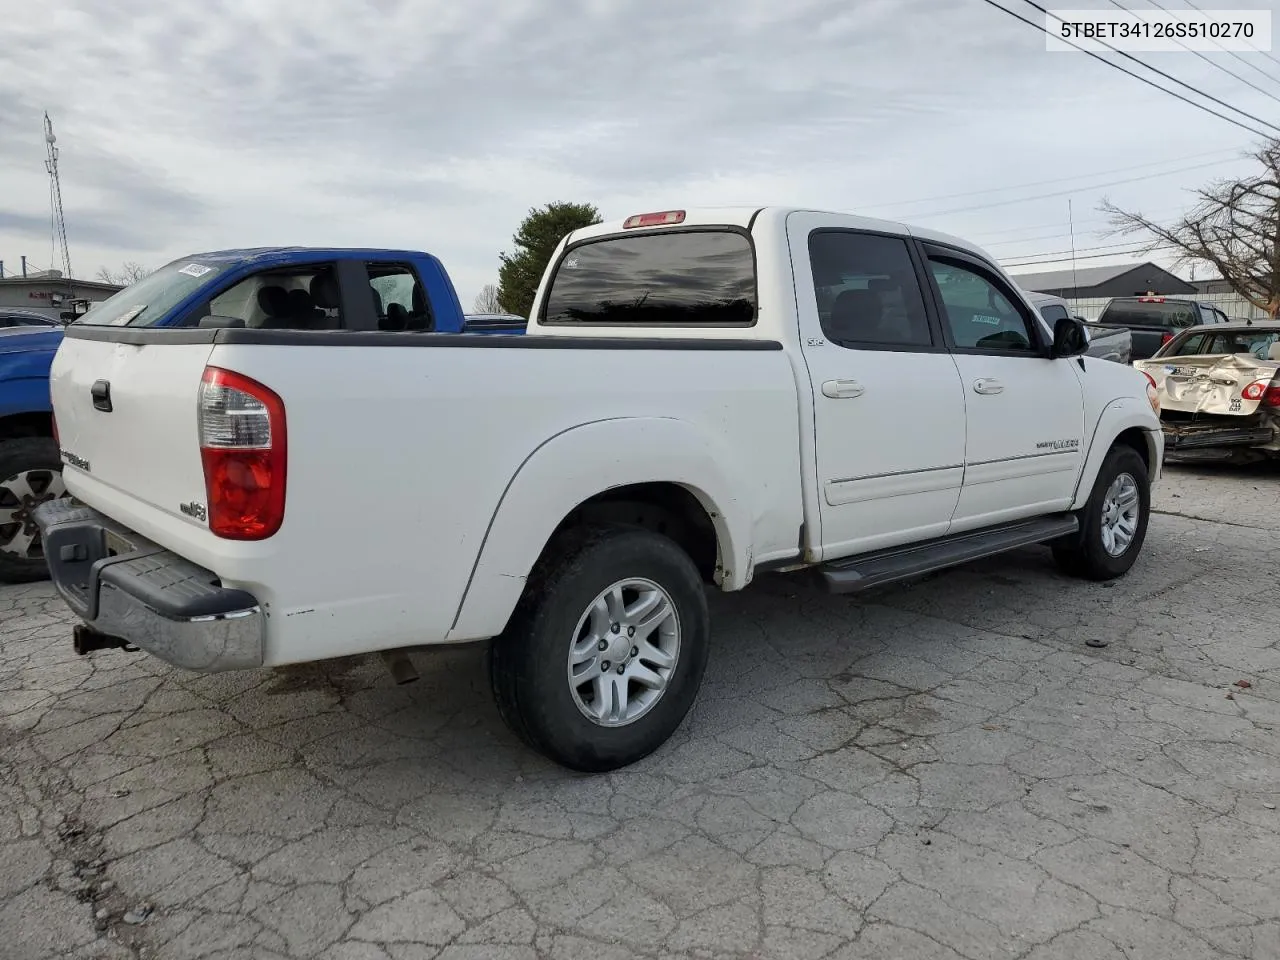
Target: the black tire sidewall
(1091, 556)
(18, 456)
(539, 651)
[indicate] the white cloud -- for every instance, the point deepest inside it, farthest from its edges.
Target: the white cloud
(437, 125)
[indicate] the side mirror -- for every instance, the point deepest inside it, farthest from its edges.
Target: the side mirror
(1069, 338)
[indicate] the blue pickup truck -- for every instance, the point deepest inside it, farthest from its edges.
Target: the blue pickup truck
(297, 288)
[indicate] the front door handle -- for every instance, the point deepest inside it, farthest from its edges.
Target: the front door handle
(101, 393)
(988, 386)
(842, 389)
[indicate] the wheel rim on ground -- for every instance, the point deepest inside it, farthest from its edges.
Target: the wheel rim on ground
(19, 497)
(624, 652)
(1120, 510)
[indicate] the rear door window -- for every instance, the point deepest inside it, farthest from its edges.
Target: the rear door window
(399, 299)
(867, 291)
(686, 278)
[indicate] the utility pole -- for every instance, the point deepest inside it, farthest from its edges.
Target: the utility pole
(59, 224)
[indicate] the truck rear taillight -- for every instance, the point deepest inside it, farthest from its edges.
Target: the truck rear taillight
(1271, 398)
(1153, 392)
(1165, 338)
(243, 449)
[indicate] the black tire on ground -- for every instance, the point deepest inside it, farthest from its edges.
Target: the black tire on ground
(39, 458)
(529, 662)
(1085, 555)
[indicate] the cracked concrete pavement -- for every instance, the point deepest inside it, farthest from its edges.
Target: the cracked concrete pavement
(943, 770)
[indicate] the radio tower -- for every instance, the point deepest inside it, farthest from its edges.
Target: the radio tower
(55, 197)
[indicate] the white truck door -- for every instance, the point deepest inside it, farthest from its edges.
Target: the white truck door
(1025, 425)
(888, 407)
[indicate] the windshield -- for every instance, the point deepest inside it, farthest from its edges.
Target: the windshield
(1152, 313)
(149, 300)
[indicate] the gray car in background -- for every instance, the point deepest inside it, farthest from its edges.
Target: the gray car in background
(1109, 343)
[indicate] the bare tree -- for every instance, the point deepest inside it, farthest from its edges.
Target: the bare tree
(487, 299)
(130, 272)
(1235, 228)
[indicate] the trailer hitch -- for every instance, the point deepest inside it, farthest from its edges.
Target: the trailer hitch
(85, 639)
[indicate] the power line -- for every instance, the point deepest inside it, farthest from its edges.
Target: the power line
(1042, 183)
(1167, 76)
(1146, 80)
(1064, 193)
(1198, 53)
(1046, 226)
(1246, 43)
(1093, 256)
(1055, 253)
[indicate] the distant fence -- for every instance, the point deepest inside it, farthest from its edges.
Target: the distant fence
(1233, 305)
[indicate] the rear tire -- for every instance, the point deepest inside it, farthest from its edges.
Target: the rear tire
(1113, 523)
(30, 474)
(605, 653)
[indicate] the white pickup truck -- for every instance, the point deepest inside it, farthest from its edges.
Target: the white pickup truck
(701, 396)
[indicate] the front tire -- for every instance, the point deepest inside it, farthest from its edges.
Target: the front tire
(605, 653)
(1113, 524)
(30, 474)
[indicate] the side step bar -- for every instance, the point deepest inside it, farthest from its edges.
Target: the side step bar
(901, 563)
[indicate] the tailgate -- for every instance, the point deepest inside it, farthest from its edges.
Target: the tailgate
(1213, 384)
(127, 426)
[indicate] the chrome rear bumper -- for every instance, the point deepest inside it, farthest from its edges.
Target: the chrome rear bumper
(124, 586)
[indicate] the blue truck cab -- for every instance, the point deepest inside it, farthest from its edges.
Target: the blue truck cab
(296, 288)
(293, 288)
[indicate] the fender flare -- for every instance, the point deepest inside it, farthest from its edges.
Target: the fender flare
(1125, 413)
(575, 465)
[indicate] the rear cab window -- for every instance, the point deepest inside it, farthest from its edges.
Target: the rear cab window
(1053, 312)
(694, 277)
(1150, 313)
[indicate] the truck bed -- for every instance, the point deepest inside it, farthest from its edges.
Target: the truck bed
(419, 436)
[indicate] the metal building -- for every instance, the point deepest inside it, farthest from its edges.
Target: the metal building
(48, 293)
(1118, 280)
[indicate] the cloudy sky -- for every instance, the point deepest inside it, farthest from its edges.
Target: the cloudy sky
(436, 124)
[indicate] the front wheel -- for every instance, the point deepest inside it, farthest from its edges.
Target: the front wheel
(606, 651)
(1113, 524)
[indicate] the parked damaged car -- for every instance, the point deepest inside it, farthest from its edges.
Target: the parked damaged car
(1219, 390)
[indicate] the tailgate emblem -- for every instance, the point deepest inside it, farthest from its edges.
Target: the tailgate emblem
(75, 461)
(193, 509)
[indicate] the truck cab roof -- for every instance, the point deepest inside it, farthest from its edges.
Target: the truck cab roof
(711, 276)
(268, 256)
(748, 217)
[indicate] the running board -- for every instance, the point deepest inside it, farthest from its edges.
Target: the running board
(901, 563)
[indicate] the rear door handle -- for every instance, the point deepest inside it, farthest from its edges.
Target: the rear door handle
(101, 393)
(842, 389)
(988, 387)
